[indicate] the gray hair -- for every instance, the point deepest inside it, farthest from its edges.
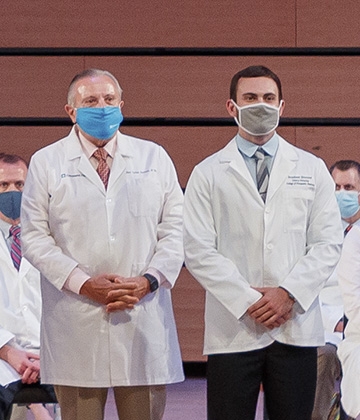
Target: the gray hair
(89, 73)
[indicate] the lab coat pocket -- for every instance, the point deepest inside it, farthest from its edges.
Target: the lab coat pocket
(144, 195)
(297, 208)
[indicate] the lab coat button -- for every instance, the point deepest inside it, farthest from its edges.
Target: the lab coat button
(112, 238)
(270, 246)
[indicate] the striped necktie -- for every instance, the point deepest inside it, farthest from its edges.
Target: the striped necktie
(103, 168)
(262, 173)
(15, 250)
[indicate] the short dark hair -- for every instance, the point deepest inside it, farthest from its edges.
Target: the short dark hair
(345, 165)
(253, 71)
(12, 159)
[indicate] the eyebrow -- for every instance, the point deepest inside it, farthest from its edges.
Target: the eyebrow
(255, 94)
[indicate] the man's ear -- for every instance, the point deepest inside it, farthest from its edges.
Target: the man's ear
(282, 106)
(70, 110)
(231, 108)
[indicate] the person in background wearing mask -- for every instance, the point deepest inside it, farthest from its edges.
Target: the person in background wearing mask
(346, 174)
(102, 221)
(262, 234)
(349, 281)
(20, 298)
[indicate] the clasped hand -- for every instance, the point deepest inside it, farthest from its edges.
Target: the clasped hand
(273, 309)
(116, 292)
(25, 363)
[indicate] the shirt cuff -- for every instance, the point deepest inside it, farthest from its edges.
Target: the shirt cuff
(159, 277)
(76, 280)
(6, 338)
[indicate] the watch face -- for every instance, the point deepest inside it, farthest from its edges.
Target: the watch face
(154, 285)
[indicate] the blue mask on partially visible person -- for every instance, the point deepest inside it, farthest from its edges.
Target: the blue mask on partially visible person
(348, 203)
(10, 203)
(100, 123)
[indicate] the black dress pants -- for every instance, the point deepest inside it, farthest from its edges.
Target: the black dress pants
(288, 375)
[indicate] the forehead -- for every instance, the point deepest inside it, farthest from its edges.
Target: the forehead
(258, 85)
(13, 172)
(95, 86)
(350, 176)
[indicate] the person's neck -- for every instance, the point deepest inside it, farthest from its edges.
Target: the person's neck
(353, 219)
(258, 140)
(12, 222)
(93, 140)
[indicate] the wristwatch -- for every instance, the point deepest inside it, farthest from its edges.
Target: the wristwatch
(154, 284)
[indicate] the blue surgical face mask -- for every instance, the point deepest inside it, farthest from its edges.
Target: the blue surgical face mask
(348, 203)
(100, 123)
(10, 203)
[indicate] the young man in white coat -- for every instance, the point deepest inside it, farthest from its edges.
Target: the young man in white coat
(262, 235)
(102, 221)
(20, 298)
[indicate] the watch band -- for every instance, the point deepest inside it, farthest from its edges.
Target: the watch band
(153, 281)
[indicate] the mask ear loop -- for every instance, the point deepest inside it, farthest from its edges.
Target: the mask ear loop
(237, 119)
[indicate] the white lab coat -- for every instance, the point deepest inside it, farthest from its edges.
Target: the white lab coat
(332, 305)
(70, 220)
(20, 309)
(234, 241)
(349, 348)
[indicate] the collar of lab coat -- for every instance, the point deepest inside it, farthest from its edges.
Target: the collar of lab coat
(123, 150)
(284, 162)
(5, 258)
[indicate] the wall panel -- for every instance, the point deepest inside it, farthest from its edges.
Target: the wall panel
(327, 23)
(36, 86)
(181, 86)
(131, 23)
(330, 143)
(188, 302)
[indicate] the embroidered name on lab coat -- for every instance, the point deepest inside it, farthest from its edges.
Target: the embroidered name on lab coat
(300, 180)
(71, 175)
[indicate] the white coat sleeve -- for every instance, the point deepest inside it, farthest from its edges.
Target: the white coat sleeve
(349, 277)
(169, 254)
(38, 245)
(220, 277)
(324, 237)
(5, 337)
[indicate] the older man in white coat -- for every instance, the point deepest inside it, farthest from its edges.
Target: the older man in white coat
(20, 297)
(349, 348)
(102, 221)
(262, 235)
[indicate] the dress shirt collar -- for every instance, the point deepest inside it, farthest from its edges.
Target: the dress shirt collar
(248, 149)
(4, 228)
(89, 148)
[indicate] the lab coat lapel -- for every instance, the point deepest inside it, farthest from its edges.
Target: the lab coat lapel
(284, 162)
(5, 256)
(75, 152)
(231, 155)
(123, 150)
(24, 267)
